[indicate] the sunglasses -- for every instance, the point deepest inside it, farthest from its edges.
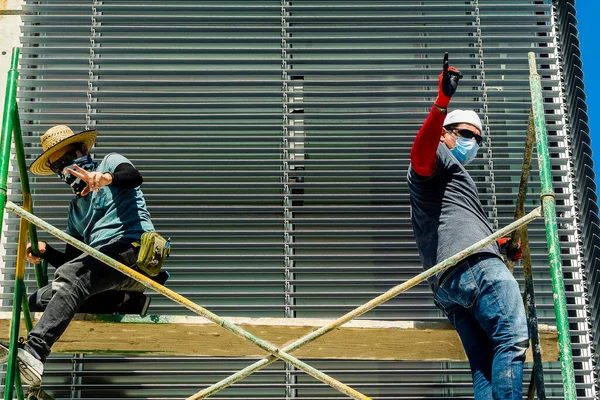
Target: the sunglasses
(66, 160)
(467, 134)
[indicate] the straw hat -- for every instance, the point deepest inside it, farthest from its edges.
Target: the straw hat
(55, 139)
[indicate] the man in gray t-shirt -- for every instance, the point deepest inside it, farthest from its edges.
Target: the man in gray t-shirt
(479, 296)
(446, 213)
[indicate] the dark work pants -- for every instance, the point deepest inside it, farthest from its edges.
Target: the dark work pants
(109, 302)
(74, 282)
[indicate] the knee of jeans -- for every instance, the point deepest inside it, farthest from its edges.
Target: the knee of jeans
(66, 283)
(520, 327)
(34, 305)
(514, 350)
(40, 299)
(520, 349)
(60, 284)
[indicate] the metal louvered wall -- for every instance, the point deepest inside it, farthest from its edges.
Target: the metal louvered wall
(274, 137)
(583, 168)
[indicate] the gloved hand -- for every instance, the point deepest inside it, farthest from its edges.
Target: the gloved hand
(448, 82)
(506, 249)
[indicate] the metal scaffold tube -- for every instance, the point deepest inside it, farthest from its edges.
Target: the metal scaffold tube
(10, 104)
(11, 125)
(537, 376)
(149, 283)
(281, 354)
(41, 270)
(548, 206)
(390, 294)
(19, 294)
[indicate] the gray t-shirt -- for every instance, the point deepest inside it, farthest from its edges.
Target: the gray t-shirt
(446, 213)
(111, 212)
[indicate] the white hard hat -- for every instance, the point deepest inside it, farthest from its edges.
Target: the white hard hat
(463, 116)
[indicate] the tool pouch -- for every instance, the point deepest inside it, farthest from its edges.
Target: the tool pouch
(153, 251)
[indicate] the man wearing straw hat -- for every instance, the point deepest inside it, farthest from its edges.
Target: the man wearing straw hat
(108, 213)
(479, 295)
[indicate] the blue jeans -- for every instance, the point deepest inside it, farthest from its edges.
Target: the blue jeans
(483, 302)
(74, 282)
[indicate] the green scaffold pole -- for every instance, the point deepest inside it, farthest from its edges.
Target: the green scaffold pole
(548, 207)
(10, 104)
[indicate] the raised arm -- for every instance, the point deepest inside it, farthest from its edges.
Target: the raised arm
(423, 154)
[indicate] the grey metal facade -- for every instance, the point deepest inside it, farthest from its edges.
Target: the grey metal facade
(274, 139)
(586, 198)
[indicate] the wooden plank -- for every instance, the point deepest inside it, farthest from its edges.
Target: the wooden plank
(196, 336)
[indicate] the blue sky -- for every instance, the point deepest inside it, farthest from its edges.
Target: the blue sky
(588, 12)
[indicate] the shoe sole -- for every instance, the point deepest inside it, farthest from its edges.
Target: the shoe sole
(28, 374)
(26, 371)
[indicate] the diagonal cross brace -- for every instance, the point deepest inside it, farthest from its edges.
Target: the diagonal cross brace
(149, 283)
(390, 294)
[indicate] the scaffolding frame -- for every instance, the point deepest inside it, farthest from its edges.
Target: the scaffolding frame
(28, 221)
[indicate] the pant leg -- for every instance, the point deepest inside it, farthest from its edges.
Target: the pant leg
(478, 348)
(108, 302)
(76, 281)
(475, 340)
(102, 303)
(39, 300)
(500, 312)
(483, 287)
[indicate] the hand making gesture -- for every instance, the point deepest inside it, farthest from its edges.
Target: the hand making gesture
(448, 82)
(95, 180)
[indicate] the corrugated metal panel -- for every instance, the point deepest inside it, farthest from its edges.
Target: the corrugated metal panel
(274, 138)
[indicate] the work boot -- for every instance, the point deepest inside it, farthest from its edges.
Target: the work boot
(30, 365)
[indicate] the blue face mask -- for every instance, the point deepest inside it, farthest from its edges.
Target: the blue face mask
(77, 185)
(465, 150)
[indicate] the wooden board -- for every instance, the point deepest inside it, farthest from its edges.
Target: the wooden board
(196, 336)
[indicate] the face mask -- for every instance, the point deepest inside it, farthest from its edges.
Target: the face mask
(465, 150)
(77, 185)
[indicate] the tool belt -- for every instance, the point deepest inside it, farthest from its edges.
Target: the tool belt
(153, 251)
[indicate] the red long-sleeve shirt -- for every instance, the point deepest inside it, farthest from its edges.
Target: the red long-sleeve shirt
(423, 155)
